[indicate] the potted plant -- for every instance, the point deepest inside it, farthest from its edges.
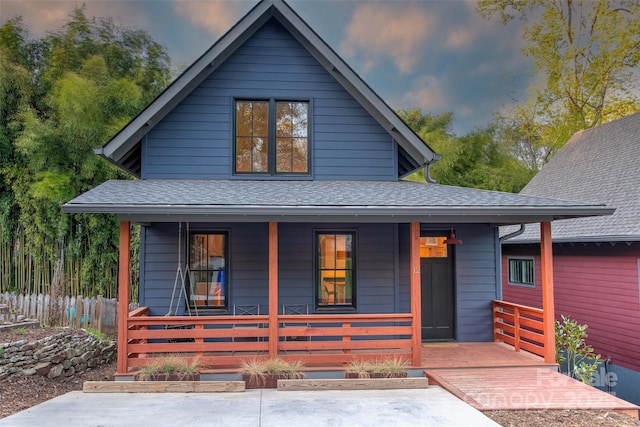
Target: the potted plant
(265, 373)
(170, 368)
(391, 367)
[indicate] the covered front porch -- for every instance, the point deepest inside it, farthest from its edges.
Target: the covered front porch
(323, 340)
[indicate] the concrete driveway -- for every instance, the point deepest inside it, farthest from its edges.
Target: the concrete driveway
(265, 408)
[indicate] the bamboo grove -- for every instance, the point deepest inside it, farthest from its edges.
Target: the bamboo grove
(60, 96)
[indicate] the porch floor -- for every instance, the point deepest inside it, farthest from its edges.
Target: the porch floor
(476, 355)
(445, 355)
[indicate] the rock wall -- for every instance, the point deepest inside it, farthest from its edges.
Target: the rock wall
(66, 354)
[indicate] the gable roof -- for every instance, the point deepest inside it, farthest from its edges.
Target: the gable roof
(311, 201)
(599, 165)
(124, 149)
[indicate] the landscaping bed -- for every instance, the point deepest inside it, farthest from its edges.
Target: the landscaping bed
(19, 393)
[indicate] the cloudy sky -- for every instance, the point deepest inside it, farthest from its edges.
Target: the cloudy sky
(437, 55)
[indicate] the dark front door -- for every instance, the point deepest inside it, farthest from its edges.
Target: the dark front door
(437, 299)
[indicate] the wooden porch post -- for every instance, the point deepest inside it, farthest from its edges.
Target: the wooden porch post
(273, 289)
(414, 264)
(124, 258)
(548, 310)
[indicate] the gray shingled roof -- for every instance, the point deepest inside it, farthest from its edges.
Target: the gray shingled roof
(372, 201)
(600, 165)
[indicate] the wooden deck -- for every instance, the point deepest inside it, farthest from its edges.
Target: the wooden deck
(492, 376)
(476, 355)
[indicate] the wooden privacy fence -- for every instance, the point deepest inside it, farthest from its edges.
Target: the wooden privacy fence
(518, 325)
(75, 312)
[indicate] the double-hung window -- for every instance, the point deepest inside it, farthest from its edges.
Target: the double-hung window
(271, 137)
(521, 272)
(208, 263)
(335, 269)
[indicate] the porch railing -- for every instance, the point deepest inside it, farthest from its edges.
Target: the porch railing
(224, 341)
(518, 325)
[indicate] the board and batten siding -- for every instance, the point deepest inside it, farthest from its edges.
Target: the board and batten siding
(248, 268)
(599, 289)
(194, 141)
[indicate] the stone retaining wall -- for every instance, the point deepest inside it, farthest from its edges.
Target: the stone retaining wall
(63, 354)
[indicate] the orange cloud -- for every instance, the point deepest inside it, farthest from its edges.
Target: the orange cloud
(427, 93)
(384, 30)
(460, 37)
(215, 16)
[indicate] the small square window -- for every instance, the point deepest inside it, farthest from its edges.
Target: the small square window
(521, 272)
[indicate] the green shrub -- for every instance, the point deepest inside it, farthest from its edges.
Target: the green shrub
(572, 349)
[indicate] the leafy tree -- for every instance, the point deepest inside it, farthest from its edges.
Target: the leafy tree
(60, 96)
(476, 160)
(481, 162)
(586, 54)
(437, 133)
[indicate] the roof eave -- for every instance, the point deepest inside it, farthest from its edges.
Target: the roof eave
(125, 140)
(491, 215)
(578, 239)
(356, 86)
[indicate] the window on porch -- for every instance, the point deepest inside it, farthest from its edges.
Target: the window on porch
(207, 270)
(335, 265)
(433, 247)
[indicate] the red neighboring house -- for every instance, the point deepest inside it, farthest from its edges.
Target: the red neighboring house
(595, 260)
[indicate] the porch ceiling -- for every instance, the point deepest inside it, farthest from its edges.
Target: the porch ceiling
(314, 201)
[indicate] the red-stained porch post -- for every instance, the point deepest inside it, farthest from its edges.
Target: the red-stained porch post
(124, 258)
(273, 289)
(548, 309)
(414, 265)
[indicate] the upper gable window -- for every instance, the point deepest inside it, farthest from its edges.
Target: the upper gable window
(272, 137)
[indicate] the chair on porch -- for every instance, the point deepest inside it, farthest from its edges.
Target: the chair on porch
(246, 310)
(296, 309)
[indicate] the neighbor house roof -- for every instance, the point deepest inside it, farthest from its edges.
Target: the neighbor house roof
(124, 149)
(599, 165)
(309, 201)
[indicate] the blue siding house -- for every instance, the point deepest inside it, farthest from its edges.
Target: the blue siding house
(275, 221)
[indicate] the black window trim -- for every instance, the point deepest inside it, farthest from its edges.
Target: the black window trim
(227, 270)
(338, 308)
(521, 258)
(271, 154)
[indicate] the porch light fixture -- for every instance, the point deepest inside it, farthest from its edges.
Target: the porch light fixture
(452, 240)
